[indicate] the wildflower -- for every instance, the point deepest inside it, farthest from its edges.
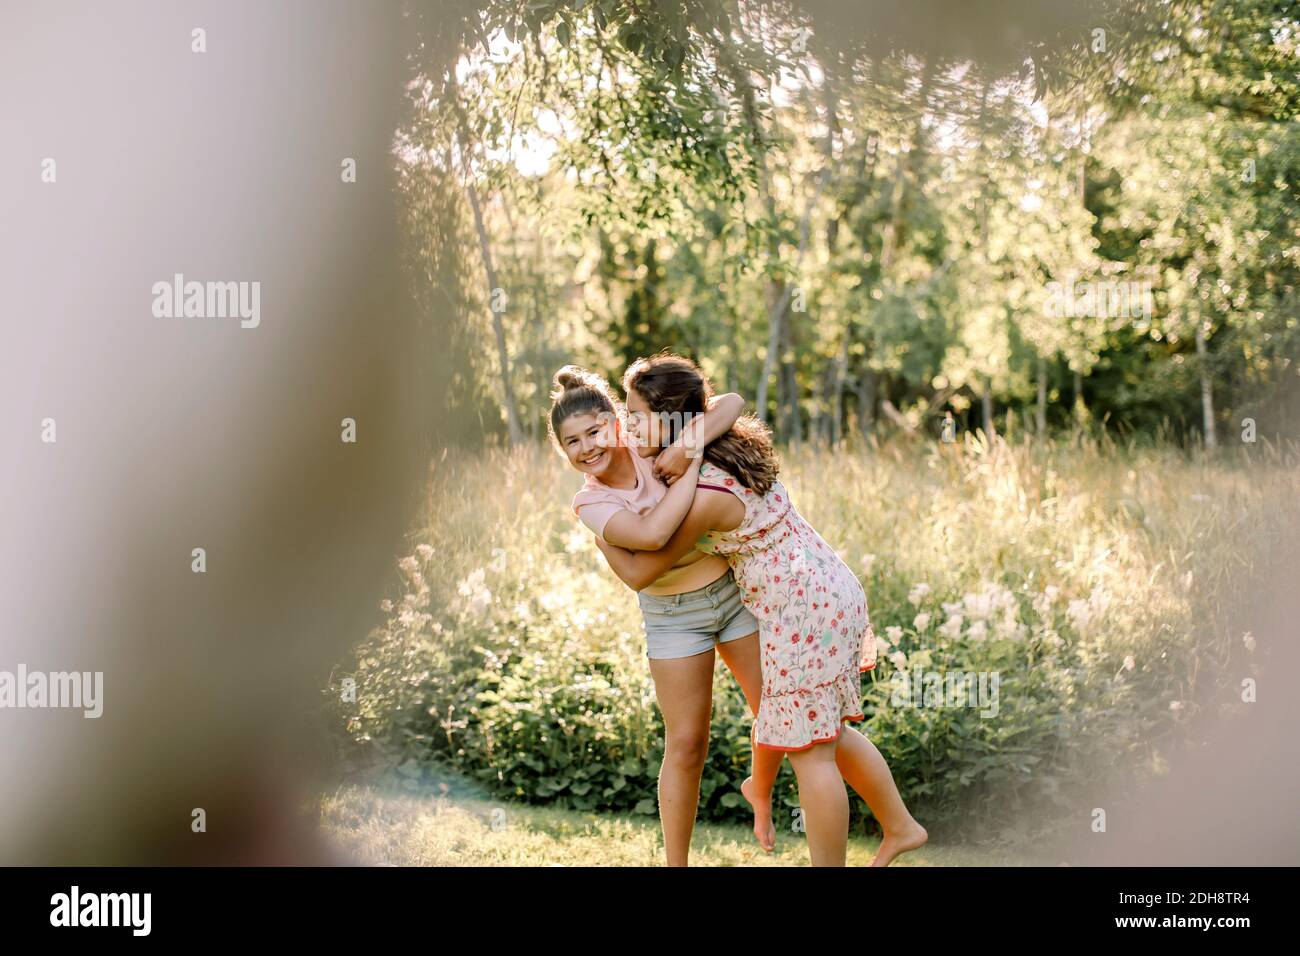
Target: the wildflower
(952, 627)
(1080, 614)
(921, 621)
(1043, 603)
(979, 631)
(386, 606)
(918, 594)
(1175, 705)
(1249, 640)
(1010, 629)
(977, 606)
(425, 551)
(899, 660)
(894, 634)
(472, 583)
(1129, 663)
(498, 562)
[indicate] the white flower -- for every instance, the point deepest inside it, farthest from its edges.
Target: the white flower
(424, 551)
(952, 627)
(409, 565)
(882, 646)
(386, 606)
(1011, 630)
(1129, 663)
(978, 606)
(921, 621)
(481, 602)
(1050, 592)
(1042, 605)
(952, 607)
(1080, 614)
(894, 634)
(1249, 640)
(979, 631)
(898, 659)
(1175, 705)
(918, 593)
(498, 562)
(471, 583)
(575, 541)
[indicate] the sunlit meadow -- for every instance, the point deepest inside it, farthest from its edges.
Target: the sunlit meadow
(1096, 581)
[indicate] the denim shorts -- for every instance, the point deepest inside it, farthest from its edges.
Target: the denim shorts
(683, 625)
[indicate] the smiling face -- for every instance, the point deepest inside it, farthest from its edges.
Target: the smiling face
(590, 442)
(645, 427)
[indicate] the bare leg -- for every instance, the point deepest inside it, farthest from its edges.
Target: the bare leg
(825, 803)
(861, 764)
(742, 658)
(684, 687)
(865, 770)
(757, 789)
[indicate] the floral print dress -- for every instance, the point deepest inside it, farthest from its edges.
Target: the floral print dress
(815, 634)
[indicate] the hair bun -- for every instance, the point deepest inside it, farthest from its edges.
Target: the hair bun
(571, 376)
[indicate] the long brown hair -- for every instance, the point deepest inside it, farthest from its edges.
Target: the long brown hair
(672, 383)
(578, 391)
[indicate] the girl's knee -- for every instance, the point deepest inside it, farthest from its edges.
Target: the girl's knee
(686, 750)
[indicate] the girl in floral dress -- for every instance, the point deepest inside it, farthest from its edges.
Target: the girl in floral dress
(814, 631)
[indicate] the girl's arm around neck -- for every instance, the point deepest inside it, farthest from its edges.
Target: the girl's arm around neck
(723, 412)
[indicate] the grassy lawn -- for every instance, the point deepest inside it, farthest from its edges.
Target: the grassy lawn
(378, 826)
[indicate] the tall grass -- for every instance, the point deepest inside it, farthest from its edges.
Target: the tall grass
(1096, 580)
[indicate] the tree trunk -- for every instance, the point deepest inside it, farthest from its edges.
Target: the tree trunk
(1207, 388)
(838, 372)
(778, 290)
(793, 422)
(498, 328)
(868, 384)
(1041, 411)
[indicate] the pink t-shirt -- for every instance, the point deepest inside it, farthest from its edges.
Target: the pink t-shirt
(596, 503)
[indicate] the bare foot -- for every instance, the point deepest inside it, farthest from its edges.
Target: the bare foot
(764, 830)
(910, 838)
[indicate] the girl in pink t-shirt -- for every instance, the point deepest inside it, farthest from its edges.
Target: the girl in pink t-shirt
(692, 609)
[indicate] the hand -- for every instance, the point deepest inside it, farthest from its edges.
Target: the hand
(673, 462)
